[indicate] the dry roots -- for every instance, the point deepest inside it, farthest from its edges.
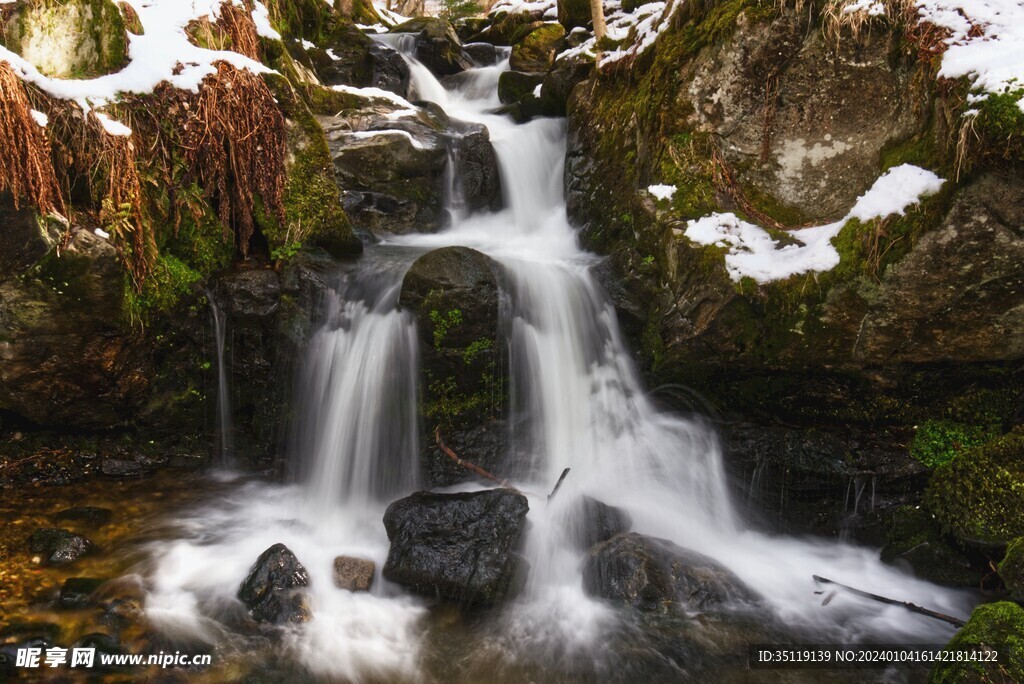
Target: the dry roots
(26, 165)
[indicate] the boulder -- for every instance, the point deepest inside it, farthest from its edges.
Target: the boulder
(476, 169)
(482, 54)
(461, 547)
(990, 626)
(390, 70)
(592, 522)
(58, 546)
(455, 297)
(1011, 569)
(76, 592)
(25, 237)
(536, 53)
(272, 592)
(565, 75)
(655, 575)
(575, 13)
(513, 86)
(437, 45)
(354, 574)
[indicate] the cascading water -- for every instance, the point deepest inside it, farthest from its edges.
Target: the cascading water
(226, 447)
(578, 403)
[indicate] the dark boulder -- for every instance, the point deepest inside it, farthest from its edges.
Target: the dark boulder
(476, 169)
(25, 238)
(655, 575)
(575, 13)
(592, 522)
(437, 45)
(272, 591)
(76, 592)
(461, 547)
(482, 54)
(513, 86)
(536, 53)
(57, 546)
(390, 70)
(455, 297)
(354, 574)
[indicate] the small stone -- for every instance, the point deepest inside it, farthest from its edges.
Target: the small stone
(58, 546)
(77, 592)
(270, 590)
(354, 574)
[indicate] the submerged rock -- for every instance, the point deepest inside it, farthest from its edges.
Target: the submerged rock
(592, 522)
(461, 547)
(272, 590)
(653, 574)
(58, 546)
(88, 515)
(354, 574)
(77, 592)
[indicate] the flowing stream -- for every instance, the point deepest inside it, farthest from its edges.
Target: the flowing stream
(581, 405)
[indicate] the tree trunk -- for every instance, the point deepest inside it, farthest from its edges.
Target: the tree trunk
(597, 14)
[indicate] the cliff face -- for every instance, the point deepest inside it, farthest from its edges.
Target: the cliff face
(784, 120)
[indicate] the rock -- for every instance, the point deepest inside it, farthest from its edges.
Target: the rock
(390, 70)
(574, 13)
(476, 167)
(513, 86)
(914, 540)
(437, 46)
(93, 516)
(25, 239)
(991, 625)
(454, 295)
(115, 467)
(72, 39)
(558, 84)
(592, 522)
(272, 591)
(482, 54)
(249, 293)
(536, 53)
(461, 547)
(76, 592)
(392, 181)
(104, 644)
(1011, 569)
(354, 574)
(58, 546)
(652, 574)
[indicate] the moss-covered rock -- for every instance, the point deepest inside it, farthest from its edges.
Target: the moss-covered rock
(454, 295)
(979, 495)
(537, 50)
(68, 38)
(437, 45)
(1011, 569)
(573, 13)
(936, 442)
(993, 625)
(914, 538)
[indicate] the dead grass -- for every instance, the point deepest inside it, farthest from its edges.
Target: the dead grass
(234, 30)
(26, 163)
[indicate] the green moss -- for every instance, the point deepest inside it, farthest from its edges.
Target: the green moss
(998, 625)
(936, 442)
(913, 537)
(443, 323)
(170, 281)
(719, 21)
(1000, 122)
(536, 52)
(1011, 569)
(979, 495)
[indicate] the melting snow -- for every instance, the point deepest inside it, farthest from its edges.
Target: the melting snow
(38, 116)
(374, 134)
(754, 253)
(261, 17)
(662, 192)
(112, 127)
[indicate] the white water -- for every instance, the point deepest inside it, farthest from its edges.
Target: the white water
(225, 438)
(584, 408)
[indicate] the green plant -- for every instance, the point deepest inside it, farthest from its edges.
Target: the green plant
(443, 323)
(286, 251)
(459, 9)
(938, 441)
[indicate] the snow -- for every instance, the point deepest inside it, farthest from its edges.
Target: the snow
(993, 58)
(162, 53)
(754, 253)
(662, 192)
(261, 17)
(102, 233)
(376, 28)
(38, 116)
(639, 28)
(112, 127)
(374, 134)
(516, 6)
(536, 91)
(872, 7)
(407, 108)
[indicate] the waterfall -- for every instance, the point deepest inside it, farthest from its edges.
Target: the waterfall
(225, 439)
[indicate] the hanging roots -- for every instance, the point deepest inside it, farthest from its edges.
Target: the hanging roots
(234, 30)
(26, 165)
(234, 138)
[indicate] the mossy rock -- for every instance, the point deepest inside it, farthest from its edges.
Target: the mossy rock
(573, 13)
(1011, 569)
(914, 538)
(536, 53)
(515, 85)
(979, 495)
(936, 442)
(996, 625)
(68, 38)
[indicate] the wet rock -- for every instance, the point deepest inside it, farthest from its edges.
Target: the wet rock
(272, 590)
(513, 86)
(93, 516)
(77, 592)
(25, 239)
(104, 644)
(575, 13)
(461, 547)
(354, 574)
(558, 84)
(914, 541)
(1011, 569)
(58, 546)
(482, 54)
(390, 71)
(592, 522)
(655, 575)
(392, 174)
(9, 654)
(437, 46)
(476, 169)
(115, 467)
(454, 295)
(536, 53)
(253, 293)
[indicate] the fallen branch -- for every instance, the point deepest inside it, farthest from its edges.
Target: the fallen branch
(469, 466)
(956, 622)
(558, 484)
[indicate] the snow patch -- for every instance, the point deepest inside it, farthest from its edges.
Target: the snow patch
(38, 116)
(261, 17)
(662, 192)
(112, 127)
(363, 135)
(754, 253)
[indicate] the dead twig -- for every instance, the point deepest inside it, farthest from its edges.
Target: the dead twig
(914, 608)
